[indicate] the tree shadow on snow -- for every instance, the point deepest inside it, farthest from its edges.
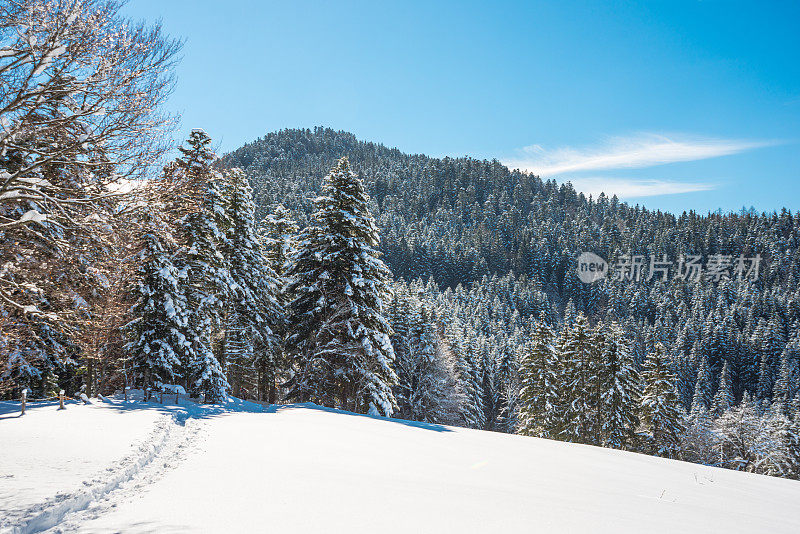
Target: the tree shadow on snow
(311, 406)
(192, 408)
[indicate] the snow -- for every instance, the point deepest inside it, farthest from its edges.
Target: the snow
(49, 451)
(244, 467)
(33, 215)
(124, 186)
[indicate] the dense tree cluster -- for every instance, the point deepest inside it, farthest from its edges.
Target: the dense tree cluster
(206, 302)
(491, 255)
(80, 95)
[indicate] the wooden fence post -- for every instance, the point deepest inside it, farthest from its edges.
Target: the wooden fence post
(61, 400)
(24, 398)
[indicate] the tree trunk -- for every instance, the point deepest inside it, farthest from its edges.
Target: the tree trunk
(90, 377)
(273, 391)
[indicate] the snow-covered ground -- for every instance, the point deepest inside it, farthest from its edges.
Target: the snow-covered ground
(248, 468)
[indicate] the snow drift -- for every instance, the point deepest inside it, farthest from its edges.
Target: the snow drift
(244, 467)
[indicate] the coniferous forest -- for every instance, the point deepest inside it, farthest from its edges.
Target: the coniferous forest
(309, 266)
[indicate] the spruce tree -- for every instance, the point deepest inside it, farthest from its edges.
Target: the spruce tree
(579, 355)
(723, 398)
(157, 342)
(431, 382)
(278, 236)
(507, 380)
(253, 308)
(539, 379)
(339, 337)
(403, 318)
(619, 390)
(203, 263)
(474, 415)
(702, 399)
(788, 383)
(661, 414)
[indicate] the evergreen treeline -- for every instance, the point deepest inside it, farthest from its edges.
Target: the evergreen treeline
(497, 250)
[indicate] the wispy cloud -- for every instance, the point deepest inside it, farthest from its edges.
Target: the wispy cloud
(632, 188)
(637, 151)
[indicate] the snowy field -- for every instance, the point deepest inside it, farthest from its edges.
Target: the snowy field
(111, 467)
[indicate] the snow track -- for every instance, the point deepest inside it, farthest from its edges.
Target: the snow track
(173, 436)
(238, 466)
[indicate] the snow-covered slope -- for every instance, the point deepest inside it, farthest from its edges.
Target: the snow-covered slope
(248, 468)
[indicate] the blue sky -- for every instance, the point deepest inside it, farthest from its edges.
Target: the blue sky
(673, 105)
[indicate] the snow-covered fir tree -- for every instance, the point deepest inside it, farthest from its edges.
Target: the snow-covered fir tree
(339, 336)
(158, 346)
(578, 355)
(787, 386)
(620, 390)
(202, 233)
(253, 307)
(278, 236)
(660, 410)
(723, 398)
(702, 399)
(425, 383)
(540, 383)
(507, 384)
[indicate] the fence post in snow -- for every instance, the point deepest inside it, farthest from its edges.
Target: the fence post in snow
(61, 400)
(24, 398)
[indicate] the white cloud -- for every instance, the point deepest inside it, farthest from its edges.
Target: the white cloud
(632, 188)
(638, 151)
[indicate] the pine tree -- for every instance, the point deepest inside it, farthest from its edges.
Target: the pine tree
(278, 236)
(253, 308)
(619, 390)
(158, 342)
(539, 378)
(793, 439)
(202, 261)
(474, 414)
(787, 385)
(702, 399)
(507, 386)
(579, 355)
(661, 414)
(723, 398)
(431, 382)
(404, 318)
(339, 336)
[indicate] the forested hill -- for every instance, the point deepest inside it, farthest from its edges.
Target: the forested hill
(460, 219)
(501, 248)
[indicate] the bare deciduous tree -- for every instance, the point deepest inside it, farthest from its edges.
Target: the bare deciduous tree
(81, 94)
